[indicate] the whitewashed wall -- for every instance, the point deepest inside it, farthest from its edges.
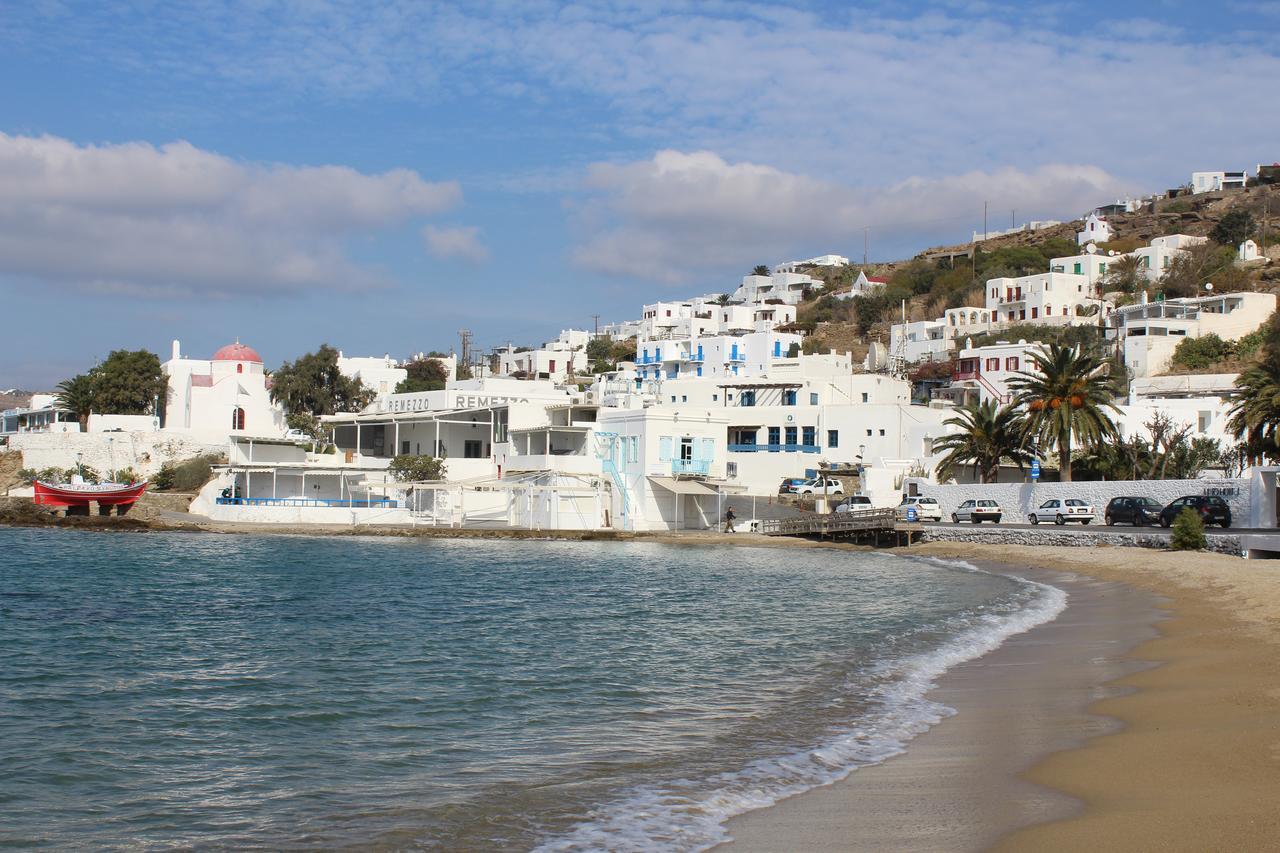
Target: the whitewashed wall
(1019, 499)
(144, 452)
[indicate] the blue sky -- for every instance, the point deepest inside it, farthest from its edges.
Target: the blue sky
(378, 176)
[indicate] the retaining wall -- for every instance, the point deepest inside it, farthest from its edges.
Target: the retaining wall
(1222, 543)
(144, 452)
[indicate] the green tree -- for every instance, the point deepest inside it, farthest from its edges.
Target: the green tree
(1066, 395)
(1188, 531)
(723, 299)
(1192, 267)
(77, 396)
(426, 374)
(760, 269)
(1125, 274)
(1202, 352)
(1233, 229)
(314, 385)
(986, 436)
(409, 468)
(129, 383)
(1255, 413)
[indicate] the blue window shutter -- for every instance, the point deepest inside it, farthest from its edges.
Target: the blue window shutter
(708, 449)
(664, 448)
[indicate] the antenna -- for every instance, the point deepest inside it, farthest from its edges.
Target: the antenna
(464, 336)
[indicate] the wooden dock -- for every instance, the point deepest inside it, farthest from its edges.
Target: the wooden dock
(864, 525)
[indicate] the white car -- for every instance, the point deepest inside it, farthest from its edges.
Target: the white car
(1062, 511)
(855, 502)
(927, 509)
(816, 487)
(977, 512)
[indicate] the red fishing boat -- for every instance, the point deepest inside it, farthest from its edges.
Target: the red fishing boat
(82, 494)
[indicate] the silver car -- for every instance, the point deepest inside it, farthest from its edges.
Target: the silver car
(1062, 511)
(977, 511)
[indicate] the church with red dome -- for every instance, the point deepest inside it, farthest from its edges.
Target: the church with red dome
(224, 395)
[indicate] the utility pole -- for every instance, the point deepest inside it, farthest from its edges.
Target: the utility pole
(984, 222)
(866, 233)
(465, 337)
(596, 318)
(1013, 218)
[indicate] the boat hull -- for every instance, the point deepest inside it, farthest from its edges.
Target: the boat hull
(109, 494)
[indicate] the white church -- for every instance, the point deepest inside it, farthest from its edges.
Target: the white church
(224, 395)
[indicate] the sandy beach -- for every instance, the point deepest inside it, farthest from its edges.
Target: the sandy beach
(1111, 728)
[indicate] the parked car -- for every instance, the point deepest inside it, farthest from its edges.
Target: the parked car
(1132, 510)
(788, 486)
(820, 486)
(1212, 509)
(854, 502)
(977, 511)
(1062, 511)
(927, 509)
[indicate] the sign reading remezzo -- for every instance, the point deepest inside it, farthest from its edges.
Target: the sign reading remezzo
(422, 402)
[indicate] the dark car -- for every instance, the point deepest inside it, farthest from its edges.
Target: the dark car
(1130, 510)
(790, 484)
(1212, 509)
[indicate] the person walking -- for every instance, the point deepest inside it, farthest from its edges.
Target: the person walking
(729, 516)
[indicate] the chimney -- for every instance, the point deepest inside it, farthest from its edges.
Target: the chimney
(177, 350)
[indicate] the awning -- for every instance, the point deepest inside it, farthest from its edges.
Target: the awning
(682, 487)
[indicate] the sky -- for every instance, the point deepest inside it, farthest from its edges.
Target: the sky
(380, 175)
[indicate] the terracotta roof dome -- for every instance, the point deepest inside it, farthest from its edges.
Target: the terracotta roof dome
(237, 352)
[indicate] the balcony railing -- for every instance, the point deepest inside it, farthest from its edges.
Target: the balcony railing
(383, 503)
(737, 356)
(691, 466)
(774, 448)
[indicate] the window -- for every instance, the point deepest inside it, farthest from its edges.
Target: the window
(881, 433)
(471, 450)
(833, 438)
(993, 364)
(239, 368)
(866, 398)
(237, 418)
(789, 398)
(809, 436)
(686, 450)
(714, 397)
(664, 448)
(404, 447)
(775, 438)
(1035, 312)
(791, 435)
(747, 398)
(1048, 310)
(1076, 269)
(1011, 363)
(813, 399)
(684, 398)
(698, 372)
(673, 398)
(552, 366)
(633, 448)
(868, 433)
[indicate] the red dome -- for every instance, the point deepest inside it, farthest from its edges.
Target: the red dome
(237, 352)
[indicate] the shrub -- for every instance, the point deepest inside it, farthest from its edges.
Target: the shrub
(415, 469)
(1188, 532)
(124, 475)
(163, 479)
(189, 475)
(28, 475)
(1202, 352)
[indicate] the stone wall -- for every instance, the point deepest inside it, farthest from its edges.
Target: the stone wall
(1107, 537)
(1020, 499)
(144, 452)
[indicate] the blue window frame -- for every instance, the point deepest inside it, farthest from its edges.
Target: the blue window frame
(791, 435)
(813, 398)
(775, 438)
(789, 398)
(833, 438)
(747, 398)
(809, 436)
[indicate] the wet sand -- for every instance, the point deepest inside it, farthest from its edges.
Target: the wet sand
(1078, 734)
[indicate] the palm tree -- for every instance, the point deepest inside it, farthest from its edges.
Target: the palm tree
(987, 436)
(76, 395)
(1255, 414)
(1125, 274)
(723, 299)
(1066, 397)
(760, 269)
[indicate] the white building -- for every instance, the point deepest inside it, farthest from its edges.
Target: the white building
(1049, 298)
(1096, 230)
(224, 395)
(786, 286)
(920, 340)
(41, 414)
(557, 360)
(985, 371)
(862, 285)
(819, 261)
(1248, 252)
(1208, 182)
(381, 375)
(1149, 332)
(1157, 258)
(712, 356)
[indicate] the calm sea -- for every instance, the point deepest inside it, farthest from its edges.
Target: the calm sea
(292, 692)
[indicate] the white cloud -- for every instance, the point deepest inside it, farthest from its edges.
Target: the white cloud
(462, 243)
(175, 219)
(677, 214)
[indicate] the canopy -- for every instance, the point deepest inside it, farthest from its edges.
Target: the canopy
(682, 487)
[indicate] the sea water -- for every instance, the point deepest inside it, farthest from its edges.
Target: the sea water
(293, 692)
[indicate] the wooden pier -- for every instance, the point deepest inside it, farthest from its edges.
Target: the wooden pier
(871, 526)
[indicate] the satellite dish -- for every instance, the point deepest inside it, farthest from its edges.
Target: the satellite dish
(1091, 249)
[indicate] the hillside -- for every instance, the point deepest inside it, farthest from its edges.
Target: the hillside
(16, 398)
(953, 276)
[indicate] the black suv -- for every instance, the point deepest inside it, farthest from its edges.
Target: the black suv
(1135, 511)
(1213, 510)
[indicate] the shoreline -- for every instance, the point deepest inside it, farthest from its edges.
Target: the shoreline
(1167, 743)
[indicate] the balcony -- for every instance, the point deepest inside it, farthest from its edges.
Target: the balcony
(774, 448)
(737, 356)
(691, 466)
(696, 357)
